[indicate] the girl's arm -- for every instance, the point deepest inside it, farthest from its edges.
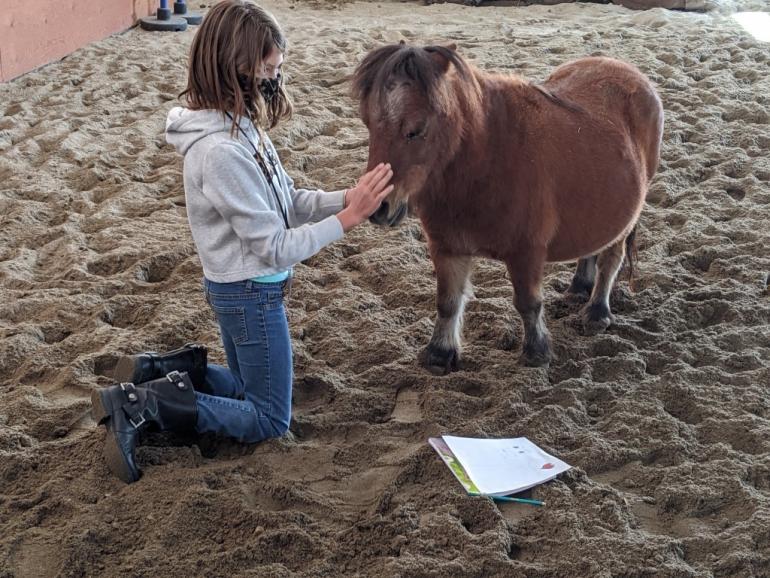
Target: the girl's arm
(311, 206)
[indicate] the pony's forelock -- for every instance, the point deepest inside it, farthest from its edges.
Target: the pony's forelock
(421, 67)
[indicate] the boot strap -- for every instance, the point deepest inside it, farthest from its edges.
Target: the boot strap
(135, 416)
(176, 378)
(181, 379)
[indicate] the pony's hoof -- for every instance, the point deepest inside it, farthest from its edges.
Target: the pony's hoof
(440, 361)
(540, 359)
(576, 295)
(597, 326)
(579, 290)
(596, 318)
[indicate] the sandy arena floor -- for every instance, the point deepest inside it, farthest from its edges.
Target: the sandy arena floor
(666, 417)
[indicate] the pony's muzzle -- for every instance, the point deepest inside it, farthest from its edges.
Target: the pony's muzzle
(383, 217)
(380, 216)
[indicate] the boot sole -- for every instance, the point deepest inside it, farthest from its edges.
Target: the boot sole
(101, 410)
(125, 370)
(116, 461)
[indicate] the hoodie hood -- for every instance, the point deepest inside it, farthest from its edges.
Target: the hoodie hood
(185, 127)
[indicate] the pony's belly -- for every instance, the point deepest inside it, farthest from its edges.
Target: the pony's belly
(571, 246)
(591, 218)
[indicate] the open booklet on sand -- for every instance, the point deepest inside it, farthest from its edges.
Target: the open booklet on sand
(497, 467)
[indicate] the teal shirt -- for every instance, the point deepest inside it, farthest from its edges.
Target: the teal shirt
(275, 278)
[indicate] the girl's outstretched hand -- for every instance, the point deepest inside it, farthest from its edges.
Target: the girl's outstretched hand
(365, 198)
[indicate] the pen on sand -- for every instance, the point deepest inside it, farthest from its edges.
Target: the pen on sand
(509, 499)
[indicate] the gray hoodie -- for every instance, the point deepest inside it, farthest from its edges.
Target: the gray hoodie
(236, 224)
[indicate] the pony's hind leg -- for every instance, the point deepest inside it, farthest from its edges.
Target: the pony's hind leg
(596, 314)
(526, 276)
(583, 280)
(453, 290)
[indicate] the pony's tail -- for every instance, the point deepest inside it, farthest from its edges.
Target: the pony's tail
(631, 255)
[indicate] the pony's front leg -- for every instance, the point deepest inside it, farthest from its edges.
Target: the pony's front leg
(526, 275)
(453, 290)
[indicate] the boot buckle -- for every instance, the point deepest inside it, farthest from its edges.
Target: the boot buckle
(139, 423)
(174, 376)
(177, 378)
(130, 390)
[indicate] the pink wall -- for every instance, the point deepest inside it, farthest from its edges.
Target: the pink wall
(36, 32)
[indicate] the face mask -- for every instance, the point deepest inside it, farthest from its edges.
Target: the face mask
(269, 88)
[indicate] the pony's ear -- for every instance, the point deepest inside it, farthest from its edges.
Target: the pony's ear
(402, 42)
(441, 56)
(451, 46)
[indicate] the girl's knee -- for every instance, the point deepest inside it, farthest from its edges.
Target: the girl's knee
(266, 427)
(280, 425)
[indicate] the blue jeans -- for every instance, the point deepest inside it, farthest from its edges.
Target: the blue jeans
(252, 396)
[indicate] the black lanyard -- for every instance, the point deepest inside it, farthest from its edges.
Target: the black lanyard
(266, 171)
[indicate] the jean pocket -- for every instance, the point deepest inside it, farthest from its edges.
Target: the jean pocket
(232, 320)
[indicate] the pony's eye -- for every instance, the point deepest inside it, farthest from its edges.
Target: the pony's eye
(411, 135)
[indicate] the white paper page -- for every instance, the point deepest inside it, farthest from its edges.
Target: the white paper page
(504, 466)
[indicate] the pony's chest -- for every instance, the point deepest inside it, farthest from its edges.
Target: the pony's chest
(461, 235)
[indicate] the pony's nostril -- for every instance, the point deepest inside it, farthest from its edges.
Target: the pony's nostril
(380, 216)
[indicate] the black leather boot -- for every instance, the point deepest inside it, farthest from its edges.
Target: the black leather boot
(151, 365)
(126, 409)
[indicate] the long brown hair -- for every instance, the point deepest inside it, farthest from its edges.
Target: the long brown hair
(225, 58)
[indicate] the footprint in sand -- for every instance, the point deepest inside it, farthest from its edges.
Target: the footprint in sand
(160, 267)
(111, 264)
(407, 407)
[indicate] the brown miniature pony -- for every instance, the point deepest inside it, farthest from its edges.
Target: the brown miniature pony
(524, 173)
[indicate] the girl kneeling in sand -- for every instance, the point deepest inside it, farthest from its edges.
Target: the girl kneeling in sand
(250, 226)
